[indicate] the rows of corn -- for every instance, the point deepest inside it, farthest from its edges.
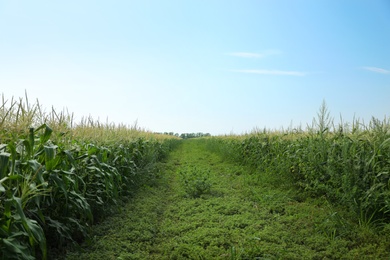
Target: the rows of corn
(349, 165)
(58, 178)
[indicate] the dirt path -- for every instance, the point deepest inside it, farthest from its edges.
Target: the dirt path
(242, 216)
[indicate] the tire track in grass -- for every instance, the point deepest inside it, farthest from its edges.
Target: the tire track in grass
(242, 217)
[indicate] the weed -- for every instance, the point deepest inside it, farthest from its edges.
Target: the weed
(196, 182)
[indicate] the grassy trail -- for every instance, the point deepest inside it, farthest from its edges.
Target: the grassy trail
(243, 216)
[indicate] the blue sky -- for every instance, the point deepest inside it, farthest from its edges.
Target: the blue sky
(199, 66)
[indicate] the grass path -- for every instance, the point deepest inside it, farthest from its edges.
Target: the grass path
(244, 216)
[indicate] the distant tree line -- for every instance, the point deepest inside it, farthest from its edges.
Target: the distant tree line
(187, 135)
(193, 135)
(170, 133)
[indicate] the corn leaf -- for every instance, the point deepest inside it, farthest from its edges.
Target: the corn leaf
(35, 232)
(4, 159)
(15, 250)
(46, 135)
(51, 160)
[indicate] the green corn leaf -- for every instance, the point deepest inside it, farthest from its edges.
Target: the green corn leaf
(3, 147)
(92, 150)
(2, 189)
(83, 156)
(61, 228)
(31, 139)
(12, 149)
(39, 236)
(18, 205)
(60, 184)
(37, 169)
(36, 234)
(70, 157)
(385, 144)
(50, 157)
(4, 160)
(50, 152)
(46, 135)
(25, 148)
(15, 249)
(82, 204)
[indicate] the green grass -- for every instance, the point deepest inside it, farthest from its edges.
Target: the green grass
(246, 214)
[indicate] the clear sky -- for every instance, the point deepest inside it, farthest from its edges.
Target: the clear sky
(199, 66)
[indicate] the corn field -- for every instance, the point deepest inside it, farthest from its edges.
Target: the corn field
(58, 178)
(349, 164)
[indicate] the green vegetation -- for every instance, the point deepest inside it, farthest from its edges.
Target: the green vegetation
(57, 180)
(349, 166)
(196, 182)
(246, 214)
(100, 191)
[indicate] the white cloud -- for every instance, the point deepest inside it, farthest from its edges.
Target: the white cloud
(377, 70)
(255, 54)
(273, 72)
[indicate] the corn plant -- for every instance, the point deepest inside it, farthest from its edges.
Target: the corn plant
(57, 178)
(350, 166)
